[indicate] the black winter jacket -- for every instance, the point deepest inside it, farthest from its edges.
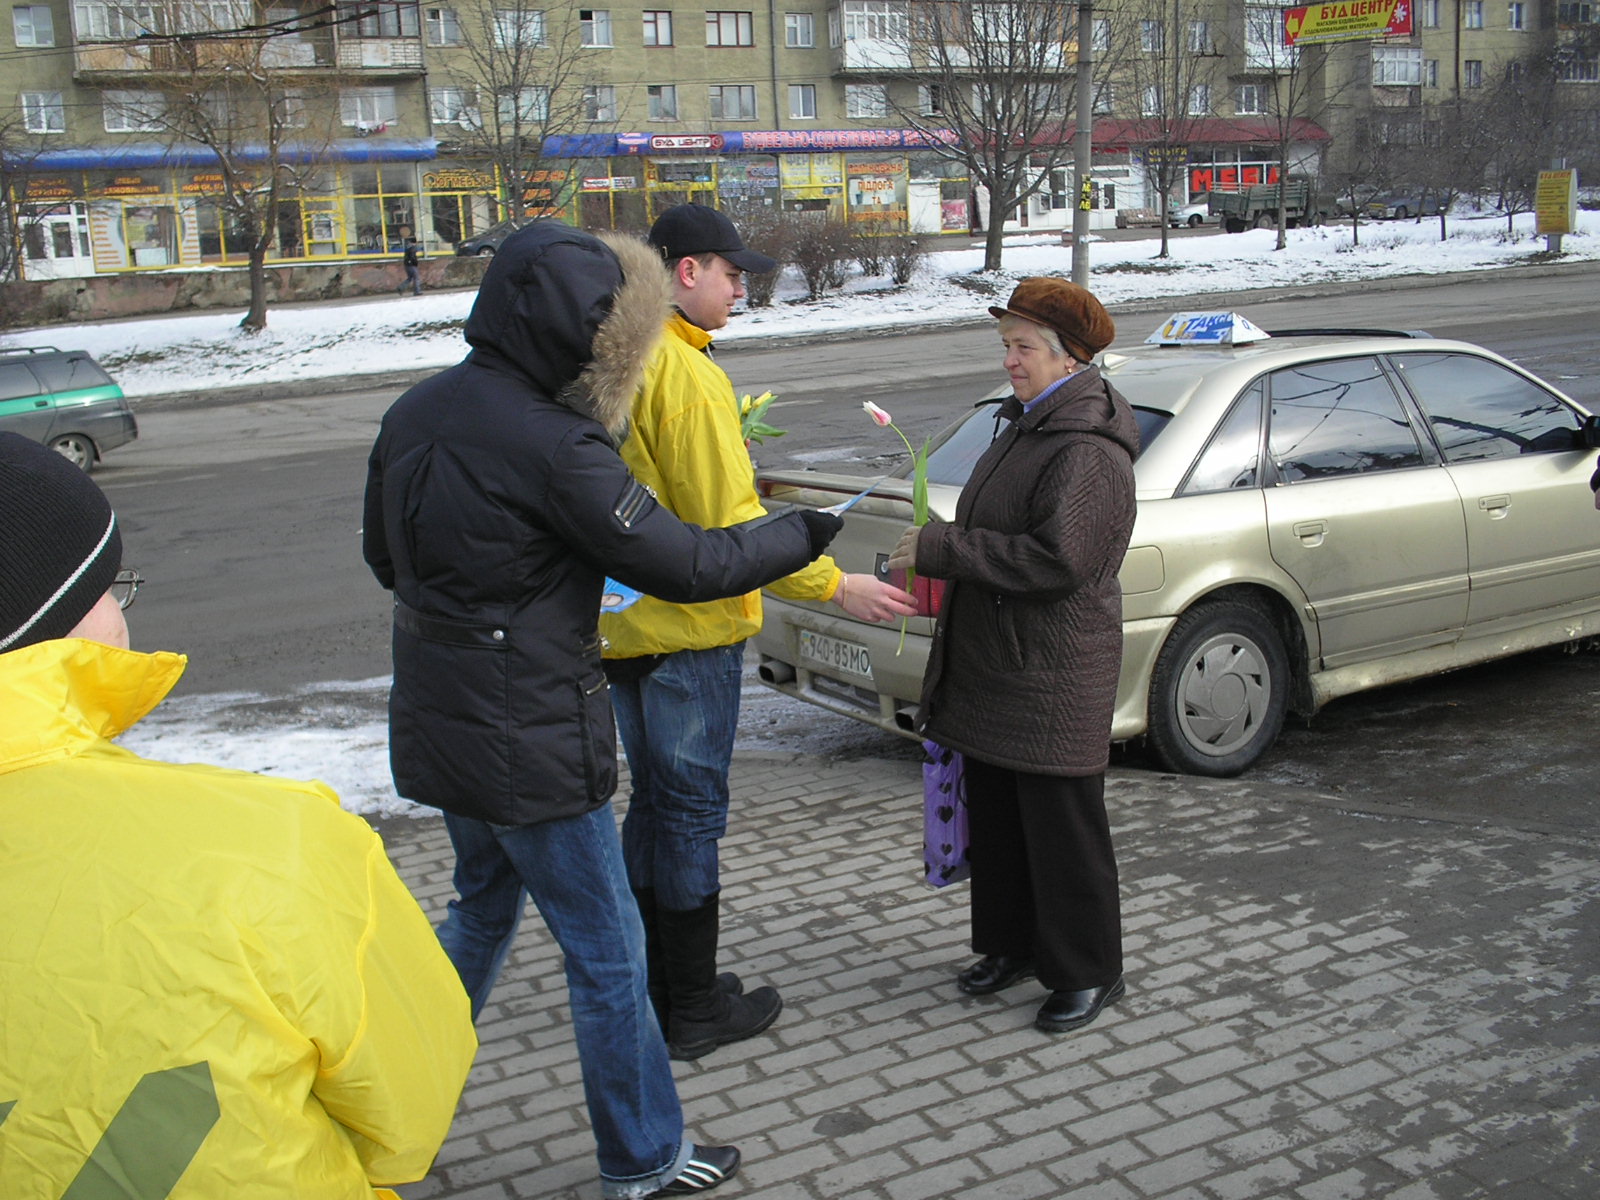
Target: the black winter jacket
(496, 504)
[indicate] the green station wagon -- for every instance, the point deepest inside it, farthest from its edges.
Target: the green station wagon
(63, 399)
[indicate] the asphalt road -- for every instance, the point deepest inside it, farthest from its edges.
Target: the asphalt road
(244, 516)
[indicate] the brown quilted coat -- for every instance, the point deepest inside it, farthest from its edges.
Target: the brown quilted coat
(1026, 653)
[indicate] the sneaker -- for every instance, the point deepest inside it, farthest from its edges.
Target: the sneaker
(708, 1167)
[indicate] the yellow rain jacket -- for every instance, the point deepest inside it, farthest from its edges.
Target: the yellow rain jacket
(212, 983)
(684, 444)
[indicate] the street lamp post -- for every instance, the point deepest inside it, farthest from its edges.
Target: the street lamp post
(1082, 144)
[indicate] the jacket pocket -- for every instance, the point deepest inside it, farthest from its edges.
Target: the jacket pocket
(597, 729)
(1005, 632)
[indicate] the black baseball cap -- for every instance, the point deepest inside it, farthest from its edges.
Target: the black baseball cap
(688, 229)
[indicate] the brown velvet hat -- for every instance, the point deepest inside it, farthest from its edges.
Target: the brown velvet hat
(1081, 321)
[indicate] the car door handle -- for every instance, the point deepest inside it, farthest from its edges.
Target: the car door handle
(41, 403)
(1495, 506)
(1310, 532)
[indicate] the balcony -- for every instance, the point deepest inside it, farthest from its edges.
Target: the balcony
(99, 61)
(380, 56)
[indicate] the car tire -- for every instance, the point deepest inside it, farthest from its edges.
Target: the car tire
(76, 449)
(1401, 213)
(486, 252)
(1266, 220)
(1196, 220)
(1234, 224)
(1220, 690)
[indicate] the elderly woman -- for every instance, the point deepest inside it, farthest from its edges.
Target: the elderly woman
(1023, 673)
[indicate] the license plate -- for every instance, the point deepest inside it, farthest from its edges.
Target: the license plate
(850, 657)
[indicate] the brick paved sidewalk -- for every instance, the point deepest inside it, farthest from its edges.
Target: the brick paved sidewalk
(1325, 1001)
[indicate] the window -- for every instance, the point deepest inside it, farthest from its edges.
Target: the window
(43, 112)
(1151, 40)
(731, 102)
(799, 32)
(515, 27)
(1100, 36)
(1199, 100)
(1472, 72)
(661, 102)
(1104, 99)
(450, 106)
(290, 110)
(1430, 73)
(1397, 66)
(1478, 409)
(97, 21)
(1573, 68)
(1150, 101)
(1232, 459)
(1582, 13)
(594, 26)
(1472, 14)
(1199, 37)
(1336, 418)
(387, 19)
(368, 108)
(729, 29)
(1428, 10)
(1516, 16)
(33, 25)
(1263, 39)
(657, 27)
(518, 107)
(866, 101)
(133, 112)
(873, 20)
(443, 28)
(803, 101)
(1250, 98)
(930, 99)
(599, 102)
(207, 16)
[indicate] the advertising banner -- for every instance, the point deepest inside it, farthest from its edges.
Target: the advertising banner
(1353, 20)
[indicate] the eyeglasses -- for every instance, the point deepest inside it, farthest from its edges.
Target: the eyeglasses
(125, 586)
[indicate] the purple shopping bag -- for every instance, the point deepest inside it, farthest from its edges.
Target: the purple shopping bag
(944, 816)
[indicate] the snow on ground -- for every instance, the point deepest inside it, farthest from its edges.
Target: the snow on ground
(336, 732)
(152, 356)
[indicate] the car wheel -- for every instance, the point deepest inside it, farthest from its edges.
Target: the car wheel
(1401, 213)
(1234, 225)
(76, 449)
(485, 251)
(1196, 220)
(1220, 690)
(1266, 220)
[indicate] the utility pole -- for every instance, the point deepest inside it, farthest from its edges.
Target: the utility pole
(1082, 146)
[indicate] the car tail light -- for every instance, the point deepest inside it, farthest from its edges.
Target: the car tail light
(927, 593)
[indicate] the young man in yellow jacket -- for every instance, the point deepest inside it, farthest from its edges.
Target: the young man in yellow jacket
(212, 983)
(675, 668)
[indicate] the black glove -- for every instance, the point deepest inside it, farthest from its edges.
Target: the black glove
(820, 528)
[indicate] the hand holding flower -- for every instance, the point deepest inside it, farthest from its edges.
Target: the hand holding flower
(904, 554)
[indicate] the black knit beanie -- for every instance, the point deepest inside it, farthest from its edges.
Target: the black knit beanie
(59, 545)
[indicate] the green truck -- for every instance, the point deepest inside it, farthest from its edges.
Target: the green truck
(1257, 207)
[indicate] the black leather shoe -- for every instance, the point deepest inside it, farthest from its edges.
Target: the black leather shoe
(708, 1167)
(1065, 1011)
(993, 972)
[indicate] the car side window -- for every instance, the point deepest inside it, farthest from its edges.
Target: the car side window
(1479, 409)
(17, 381)
(70, 373)
(1232, 459)
(1338, 417)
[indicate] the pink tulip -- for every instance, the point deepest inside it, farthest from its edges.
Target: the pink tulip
(876, 413)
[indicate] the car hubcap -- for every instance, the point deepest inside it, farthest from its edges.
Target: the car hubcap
(1223, 695)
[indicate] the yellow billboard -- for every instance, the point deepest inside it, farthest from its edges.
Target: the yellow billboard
(1352, 20)
(1555, 202)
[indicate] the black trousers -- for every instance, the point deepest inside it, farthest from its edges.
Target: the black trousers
(1044, 874)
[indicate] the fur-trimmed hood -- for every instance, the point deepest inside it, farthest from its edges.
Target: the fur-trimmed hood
(577, 315)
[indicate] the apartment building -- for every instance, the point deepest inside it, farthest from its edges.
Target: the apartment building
(390, 118)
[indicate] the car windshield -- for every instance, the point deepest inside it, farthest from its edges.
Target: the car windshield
(956, 451)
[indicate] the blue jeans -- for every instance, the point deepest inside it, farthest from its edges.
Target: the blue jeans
(677, 726)
(572, 869)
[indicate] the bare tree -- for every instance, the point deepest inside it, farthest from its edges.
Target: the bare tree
(523, 70)
(1168, 60)
(16, 153)
(997, 74)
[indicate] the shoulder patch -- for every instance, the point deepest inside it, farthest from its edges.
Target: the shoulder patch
(636, 500)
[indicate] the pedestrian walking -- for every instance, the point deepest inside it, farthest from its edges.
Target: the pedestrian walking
(676, 668)
(496, 506)
(411, 259)
(212, 983)
(1022, 675)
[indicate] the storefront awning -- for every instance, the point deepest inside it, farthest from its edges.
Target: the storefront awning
(743, 141)
(140, 157)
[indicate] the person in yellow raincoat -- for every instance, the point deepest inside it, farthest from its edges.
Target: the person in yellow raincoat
(212, 983)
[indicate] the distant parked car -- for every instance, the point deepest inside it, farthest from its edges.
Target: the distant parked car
(489, 240)
(1340, 203)
(63, 399)
(1193, 214)
(1403, 205)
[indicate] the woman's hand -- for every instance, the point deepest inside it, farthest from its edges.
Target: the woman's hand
(868, 599)
(904, 554)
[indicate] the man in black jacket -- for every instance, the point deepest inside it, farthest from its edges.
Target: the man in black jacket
(496, 506)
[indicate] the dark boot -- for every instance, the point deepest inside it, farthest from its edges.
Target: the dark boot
(728, 983)
(702, 1015)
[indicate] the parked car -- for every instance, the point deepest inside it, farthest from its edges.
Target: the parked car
(1193, 214)
(489, 240)
(1319, 513)
(63, 399)
(1404, 204)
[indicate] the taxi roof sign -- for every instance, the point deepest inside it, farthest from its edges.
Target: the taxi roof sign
(1207, 329)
